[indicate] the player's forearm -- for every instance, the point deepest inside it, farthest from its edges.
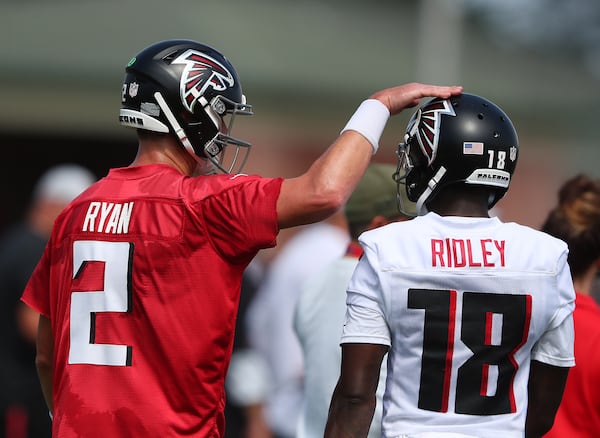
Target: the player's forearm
(545, 389)
(342, 166)
(334, 175)
(326, 185)
(349, 418)
(44, 371)
(337, 172)
(44, 357)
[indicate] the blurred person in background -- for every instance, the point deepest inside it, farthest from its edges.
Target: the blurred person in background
(139, 286)
(576, 220)
(596, 286)
(270, 317)
(247, 380)
(475, 314)
(23, 411)
(319, 313)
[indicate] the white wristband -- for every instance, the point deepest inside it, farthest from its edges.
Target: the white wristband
(369, 120)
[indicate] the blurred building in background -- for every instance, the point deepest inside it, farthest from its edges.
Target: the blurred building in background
(305, 66)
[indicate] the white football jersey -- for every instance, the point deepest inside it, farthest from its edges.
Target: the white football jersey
(464, 304)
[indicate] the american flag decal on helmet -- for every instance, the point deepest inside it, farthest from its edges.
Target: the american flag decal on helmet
(426, 126)
(201, 72)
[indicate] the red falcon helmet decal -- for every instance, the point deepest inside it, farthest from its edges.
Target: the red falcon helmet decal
(425, 125)
(200, 73)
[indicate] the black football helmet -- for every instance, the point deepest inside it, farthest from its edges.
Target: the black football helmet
(463, 139)
(192, 91)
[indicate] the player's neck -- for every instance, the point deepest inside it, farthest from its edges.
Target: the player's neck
(458, 200)
(460, 207)
(164, 151)
(584, 282)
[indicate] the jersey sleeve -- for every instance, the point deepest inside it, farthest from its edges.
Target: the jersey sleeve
(365, 311)
(36, 293)
(243, 218)
(556, 345)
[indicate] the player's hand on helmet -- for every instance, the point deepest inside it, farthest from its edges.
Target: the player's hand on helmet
(408, 95)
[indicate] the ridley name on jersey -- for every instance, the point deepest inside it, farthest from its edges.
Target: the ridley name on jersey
(463, 253)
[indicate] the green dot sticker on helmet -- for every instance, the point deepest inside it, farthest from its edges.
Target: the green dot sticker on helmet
(130, 63)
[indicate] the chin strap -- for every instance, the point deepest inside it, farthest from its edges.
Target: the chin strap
(431, 185)
(204, 168)
(179, 132)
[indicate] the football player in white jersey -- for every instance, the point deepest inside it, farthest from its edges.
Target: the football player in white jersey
(475, 314)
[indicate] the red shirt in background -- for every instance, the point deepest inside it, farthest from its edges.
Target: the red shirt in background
(579, 413)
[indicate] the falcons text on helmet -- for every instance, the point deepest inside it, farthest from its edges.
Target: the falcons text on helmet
(200, 73)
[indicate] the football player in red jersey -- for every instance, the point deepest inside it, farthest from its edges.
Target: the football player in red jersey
(476, 315)
(576, 220)
(139, 284)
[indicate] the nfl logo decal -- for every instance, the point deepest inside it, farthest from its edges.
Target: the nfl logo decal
(512, 153)
(133, 89)
(472, 148)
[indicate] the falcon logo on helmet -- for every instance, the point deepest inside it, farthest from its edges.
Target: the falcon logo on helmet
(476, 146)
(200, 73)
(425, 126)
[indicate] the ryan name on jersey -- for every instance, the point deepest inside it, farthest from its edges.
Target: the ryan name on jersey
(472, 253)
(108, 217)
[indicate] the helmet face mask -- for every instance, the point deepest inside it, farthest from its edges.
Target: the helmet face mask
(405, 166)
(192, 91)
(464, 139)
(226, 153)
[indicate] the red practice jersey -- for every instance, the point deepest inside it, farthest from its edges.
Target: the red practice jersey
(579, 413)
(141, 280)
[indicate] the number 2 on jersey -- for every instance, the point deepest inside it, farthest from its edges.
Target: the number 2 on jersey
(114, 296)
(493, 326)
